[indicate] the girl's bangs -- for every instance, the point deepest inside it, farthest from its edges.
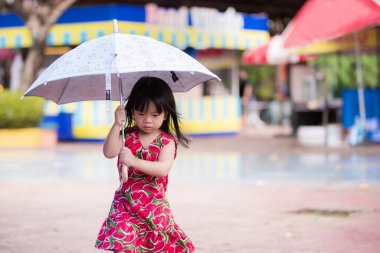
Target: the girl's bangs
(143, 102)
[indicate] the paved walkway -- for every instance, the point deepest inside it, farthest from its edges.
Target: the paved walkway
(63, 212)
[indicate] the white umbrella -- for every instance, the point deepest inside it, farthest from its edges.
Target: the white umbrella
(95, 69)
(106, 68)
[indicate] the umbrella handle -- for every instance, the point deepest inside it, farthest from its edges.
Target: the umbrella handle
(124, 174)
(124, 169)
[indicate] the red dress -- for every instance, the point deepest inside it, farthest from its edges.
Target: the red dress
(140, 219)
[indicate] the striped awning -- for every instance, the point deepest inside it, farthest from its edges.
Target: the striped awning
(76, 27)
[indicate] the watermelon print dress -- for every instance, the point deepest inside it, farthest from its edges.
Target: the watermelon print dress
(140, 219)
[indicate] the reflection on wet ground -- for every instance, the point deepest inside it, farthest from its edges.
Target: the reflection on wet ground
(302, 168)
(310, 168)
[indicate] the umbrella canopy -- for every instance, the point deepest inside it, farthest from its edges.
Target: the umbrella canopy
(6, 54)
(95, 69)
(272, 53)
(328, 19)
(257, 56)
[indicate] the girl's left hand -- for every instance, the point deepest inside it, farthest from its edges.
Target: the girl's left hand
(127, 157)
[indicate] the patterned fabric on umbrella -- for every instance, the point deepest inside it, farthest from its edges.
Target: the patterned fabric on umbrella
(91, 70)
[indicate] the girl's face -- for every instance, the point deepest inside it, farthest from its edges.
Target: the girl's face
(150, 120)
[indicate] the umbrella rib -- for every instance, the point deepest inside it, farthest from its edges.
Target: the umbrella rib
(179, 80)
(184, 87)
(63, 90)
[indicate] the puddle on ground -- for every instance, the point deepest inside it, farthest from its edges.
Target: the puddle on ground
(198, 167)
(338, 213)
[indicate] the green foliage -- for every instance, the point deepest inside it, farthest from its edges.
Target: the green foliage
(263, 79)
(19, 113)
(340, 71)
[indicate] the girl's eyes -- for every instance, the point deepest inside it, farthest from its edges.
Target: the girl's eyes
(154, 115)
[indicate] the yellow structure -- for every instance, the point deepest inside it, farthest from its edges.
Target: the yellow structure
(367, 38)
(27, 138)
(74, 34)
(199, 116)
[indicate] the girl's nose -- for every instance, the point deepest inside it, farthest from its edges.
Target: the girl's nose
(148, 119)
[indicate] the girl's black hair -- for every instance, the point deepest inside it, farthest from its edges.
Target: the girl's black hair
(155, 90)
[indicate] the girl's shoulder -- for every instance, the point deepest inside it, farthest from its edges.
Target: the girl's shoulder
(167, 138)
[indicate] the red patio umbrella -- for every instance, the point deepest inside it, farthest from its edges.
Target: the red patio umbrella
(6, 54)
(320, 20)
(328, 19)
(272, 53)
(257, 56)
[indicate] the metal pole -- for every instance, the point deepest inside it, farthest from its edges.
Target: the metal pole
(378, 54)
(235, 75)
(359, 79)
(325, 110)
(325, 114)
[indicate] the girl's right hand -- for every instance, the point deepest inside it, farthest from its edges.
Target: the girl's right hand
(120, 115)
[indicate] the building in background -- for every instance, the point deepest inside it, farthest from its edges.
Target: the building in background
(212, 37)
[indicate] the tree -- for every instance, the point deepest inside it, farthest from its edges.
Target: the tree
(340, 71)
(39, 16)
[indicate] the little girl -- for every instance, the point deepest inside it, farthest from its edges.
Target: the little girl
(140, 219)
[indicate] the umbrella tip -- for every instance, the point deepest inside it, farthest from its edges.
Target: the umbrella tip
(22, 97)
(115, 26)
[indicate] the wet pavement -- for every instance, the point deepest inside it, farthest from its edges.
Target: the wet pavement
(84, 161)
(230, 194)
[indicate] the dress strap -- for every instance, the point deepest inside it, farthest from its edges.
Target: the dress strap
(166, 138)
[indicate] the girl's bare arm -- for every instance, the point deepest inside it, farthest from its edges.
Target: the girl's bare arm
(160, 168)
(112, 144)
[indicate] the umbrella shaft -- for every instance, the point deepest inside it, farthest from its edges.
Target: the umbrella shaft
(121, 104)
